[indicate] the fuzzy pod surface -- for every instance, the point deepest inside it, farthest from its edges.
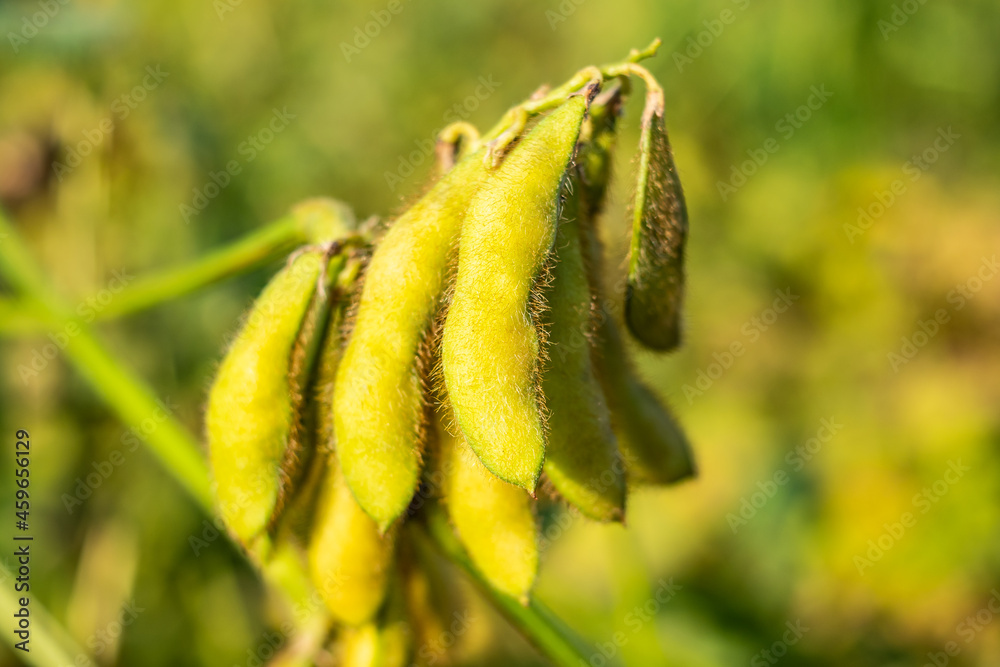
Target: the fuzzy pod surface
(493, 519)
(654, 446)
(581, 458)
(251, 418)
(490, 347)
(655, 290)
(349, 559)
(377, 399)
(317, 397)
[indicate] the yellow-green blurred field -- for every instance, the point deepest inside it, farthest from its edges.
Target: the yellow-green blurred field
(840, 378)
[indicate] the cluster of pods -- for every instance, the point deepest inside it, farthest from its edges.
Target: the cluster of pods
(468, 356)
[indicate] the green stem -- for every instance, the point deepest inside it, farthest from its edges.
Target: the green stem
(127, 394)
(150, 419)
(272, 241)
(265, 245)
(553, 98)
(50, 645)
(534, 621)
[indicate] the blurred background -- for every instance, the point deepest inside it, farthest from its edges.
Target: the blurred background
(839, 379)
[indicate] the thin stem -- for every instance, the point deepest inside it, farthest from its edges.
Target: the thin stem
(149, 418)
(269, 243)
(20, 317)
(127, 394)
(540, 626)
(272, 241)
(136, 404)
(554, 97)
(50, 645)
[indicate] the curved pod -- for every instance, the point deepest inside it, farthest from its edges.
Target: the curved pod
(252, 406)
(490, 347)
(655, 291)
(378, 402)
(581, 457)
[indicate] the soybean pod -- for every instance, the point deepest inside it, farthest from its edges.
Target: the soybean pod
(386, 641)
(654, 446)
(493, 519)
(378, 402)
(655, 290)
(581, 458)
(349, 559)
(490, 346)
(255, 440)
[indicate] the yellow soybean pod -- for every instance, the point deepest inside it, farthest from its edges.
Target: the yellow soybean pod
(378, 401)
(581, 457)
(655, 291)
(386, 641)
(255, 439)
(349, 559)
(489, 349)
(493, 519)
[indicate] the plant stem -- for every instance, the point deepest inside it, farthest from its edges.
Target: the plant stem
(51, 645)
(127, 394)
(272, 241)
(534, 621)
(556, 96)
(265, 245)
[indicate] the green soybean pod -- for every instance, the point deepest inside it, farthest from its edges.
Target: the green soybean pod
(493, 519)
(349, 558)
(598, 138)
(378, 399)
(654, 446)
(252, 415)
(489, 345)
(317, 394)
(581, 457)
(655, 291)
